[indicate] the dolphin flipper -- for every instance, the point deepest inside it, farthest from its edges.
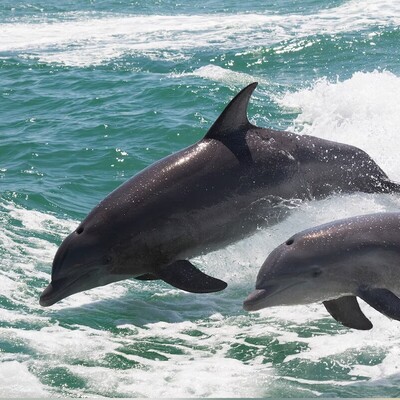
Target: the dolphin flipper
(346, 310)
(383, 300)
(182, 274)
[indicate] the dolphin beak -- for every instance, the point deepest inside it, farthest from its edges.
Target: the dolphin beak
(47, 296)
(266, 297)
(61, 288)
(58, 290)
(255, 299)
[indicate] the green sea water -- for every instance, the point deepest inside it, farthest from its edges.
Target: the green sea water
(93, 92)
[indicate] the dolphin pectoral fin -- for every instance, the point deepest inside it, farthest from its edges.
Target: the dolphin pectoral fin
(234, 117)
(182, 274)
(147, 277)
(346, 310)
(383, 300)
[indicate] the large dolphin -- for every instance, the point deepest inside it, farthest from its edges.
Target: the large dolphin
(201, 198)
(334, 263)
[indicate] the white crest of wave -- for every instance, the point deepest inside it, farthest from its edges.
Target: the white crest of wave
(363, 111)
(185, 377)
(86, 40)
(20, 220)
(17, 382)
(219, 74)
(381, 373)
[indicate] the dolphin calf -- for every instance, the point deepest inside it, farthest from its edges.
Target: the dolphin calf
(217, 191)
(335, 263)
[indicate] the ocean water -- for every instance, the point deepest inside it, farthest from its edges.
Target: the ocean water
(94, 91)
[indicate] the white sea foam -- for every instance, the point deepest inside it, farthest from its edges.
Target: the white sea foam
(219, 74)
(182, 376)
(27, 255)
(84, 39)
(363, 111)
(16, 381)
(383, 371)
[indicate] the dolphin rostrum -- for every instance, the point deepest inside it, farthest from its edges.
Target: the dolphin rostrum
(215, 192)
(335, 263)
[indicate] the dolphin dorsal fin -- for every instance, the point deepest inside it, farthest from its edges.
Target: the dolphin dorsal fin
(234, 117)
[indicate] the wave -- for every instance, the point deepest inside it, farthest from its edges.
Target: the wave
(82, 39)
(146, 339)
(135, 339)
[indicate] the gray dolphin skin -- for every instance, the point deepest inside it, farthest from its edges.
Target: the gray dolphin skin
(335, 263)
(217, 191)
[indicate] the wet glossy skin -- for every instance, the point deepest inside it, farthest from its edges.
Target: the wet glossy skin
(203, 197)
(208, 194)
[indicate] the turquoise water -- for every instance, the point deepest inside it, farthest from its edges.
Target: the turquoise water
(92, 93)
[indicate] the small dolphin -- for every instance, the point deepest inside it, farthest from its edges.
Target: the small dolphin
(334, 263)
(210, 194)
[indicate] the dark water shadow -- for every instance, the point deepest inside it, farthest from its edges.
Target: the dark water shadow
(387, 386)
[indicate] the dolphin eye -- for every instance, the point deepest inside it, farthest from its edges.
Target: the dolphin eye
(79, 230)
(289, 242)
(316, 272)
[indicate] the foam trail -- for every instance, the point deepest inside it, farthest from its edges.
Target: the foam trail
(83, 40)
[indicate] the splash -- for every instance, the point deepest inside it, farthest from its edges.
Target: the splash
(362, 111)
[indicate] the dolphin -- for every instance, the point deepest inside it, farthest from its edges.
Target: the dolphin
(335, 263)
(219, 190)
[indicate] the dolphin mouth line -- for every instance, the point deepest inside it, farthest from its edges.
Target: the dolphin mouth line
(253, 300)
(57, 289)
